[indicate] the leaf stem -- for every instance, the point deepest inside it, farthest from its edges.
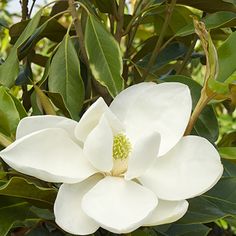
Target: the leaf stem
(120, 21)
(78, 29)
(169, 10)
(24, 9)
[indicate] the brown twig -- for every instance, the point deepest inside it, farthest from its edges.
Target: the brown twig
(78, 29)
(120, 21)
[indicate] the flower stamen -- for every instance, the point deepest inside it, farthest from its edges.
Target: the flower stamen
(121, 150)
(121, 147)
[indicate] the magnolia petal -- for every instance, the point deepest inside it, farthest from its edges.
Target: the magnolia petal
(91, 118)
(98, 146)
(118, 205)
(191, 168)
(31, 124)
(144, 153)
(67, 208)
(124, 100)
(50, 155)
(167, 212)
(164, 108)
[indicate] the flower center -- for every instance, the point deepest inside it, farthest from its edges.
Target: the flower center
(121, 151)
(121, 147)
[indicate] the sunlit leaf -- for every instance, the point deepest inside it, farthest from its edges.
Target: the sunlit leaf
(65, 78)
(104, 56)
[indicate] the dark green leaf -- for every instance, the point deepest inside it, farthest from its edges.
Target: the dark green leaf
(65, 78)
(170, 53)
(57, 100)
(9, 70)
(228, 152)
(212, 21)
(228, 140)
(13, 210)
(210, 5)
(230, 1)
(49, 28)
(59, 7)
(179, 19)
(104, 56)
(217, 203)
(226, 54)
(229, 168)
(106, 6)
(21, 188)
(183, 230)
(9, 116)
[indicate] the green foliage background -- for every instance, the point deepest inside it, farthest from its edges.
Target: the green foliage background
(63, 58)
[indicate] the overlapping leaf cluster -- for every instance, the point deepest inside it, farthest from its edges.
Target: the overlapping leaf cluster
(71, 52)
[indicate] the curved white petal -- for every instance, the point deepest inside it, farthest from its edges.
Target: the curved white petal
(164, 108)
(91, 118)
(124, 100)
(144, 153)
(118, 205)
(31, 124)
(167, 212)
(98, 146)
(67, 208)
(50, 155)
(191, 168)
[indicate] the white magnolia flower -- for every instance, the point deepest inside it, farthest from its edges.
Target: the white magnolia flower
(123, 166)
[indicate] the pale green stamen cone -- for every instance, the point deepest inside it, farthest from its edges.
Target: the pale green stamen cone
(121, 147)
(121, 150)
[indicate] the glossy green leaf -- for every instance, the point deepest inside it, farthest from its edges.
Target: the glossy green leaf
(206, 125)
(45, 230)
(57, 100)
(210, 5)
(104, 56)
(65, 78)
(230, 1)
(226, 54)
(183, 230)
(9, 116)
(217, 203)
(59, 7)
(21, 188)
(228, 140)
(10, 68)
(106, 6)
(229, 168)
(21, 110)
(52, 30)
(212, 21)
(228, 152)
(172, 52)
(179, 19)
(36, 106)
(13, 210)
